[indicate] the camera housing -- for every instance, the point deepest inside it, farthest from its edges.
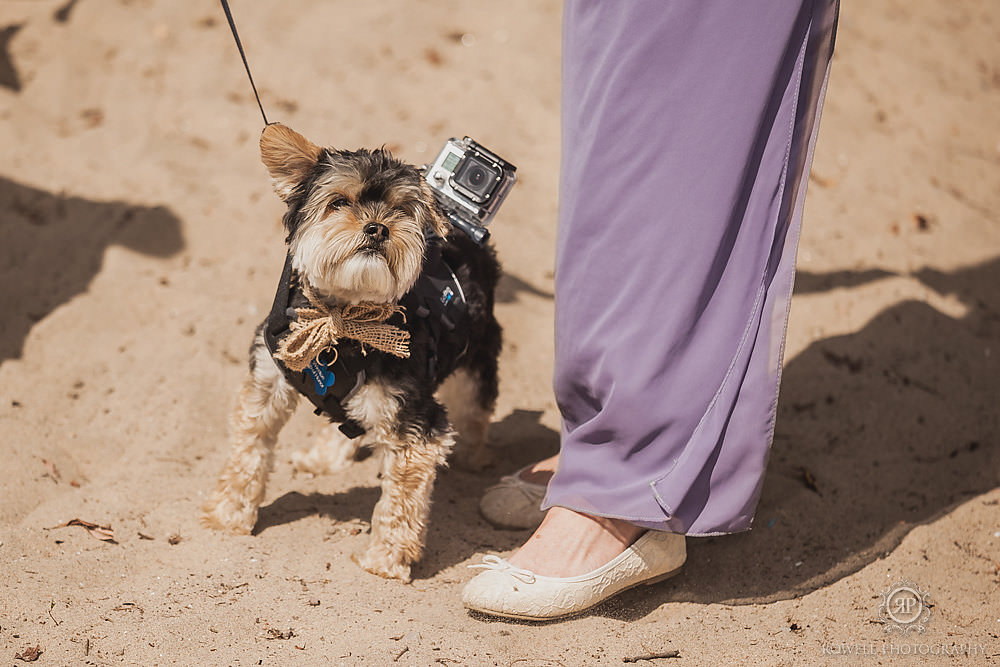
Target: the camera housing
(470, 182)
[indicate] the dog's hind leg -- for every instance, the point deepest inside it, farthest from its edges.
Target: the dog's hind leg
(331, 452)
(470, 395)
(470, 415)
(265, 404)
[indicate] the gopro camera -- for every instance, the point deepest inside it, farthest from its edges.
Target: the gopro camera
(469, 183)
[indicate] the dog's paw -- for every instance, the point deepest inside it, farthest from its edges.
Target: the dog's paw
(320, 461)
(221, 513)
(332, 451)
(378, 560)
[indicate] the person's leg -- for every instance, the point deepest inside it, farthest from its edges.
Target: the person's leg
(687, 134)
(540, 472)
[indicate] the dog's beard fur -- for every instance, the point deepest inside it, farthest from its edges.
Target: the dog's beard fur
(337, 258)
(332, 197)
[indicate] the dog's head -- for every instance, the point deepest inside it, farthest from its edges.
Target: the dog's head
(356, 220)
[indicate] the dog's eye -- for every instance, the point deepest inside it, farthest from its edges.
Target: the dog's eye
(336, 203)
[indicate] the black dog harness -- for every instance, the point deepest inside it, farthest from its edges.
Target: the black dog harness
(436, 315)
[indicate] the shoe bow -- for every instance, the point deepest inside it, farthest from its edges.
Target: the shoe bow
(492, 562)
(533, 492)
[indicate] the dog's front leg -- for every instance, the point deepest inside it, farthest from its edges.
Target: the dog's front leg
(399, 522)
(265, 404)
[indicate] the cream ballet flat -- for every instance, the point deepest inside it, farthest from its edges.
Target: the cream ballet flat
(512, 592)
(513, 503)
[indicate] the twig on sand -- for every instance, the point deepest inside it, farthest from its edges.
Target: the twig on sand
(52, 605)
(653, 656)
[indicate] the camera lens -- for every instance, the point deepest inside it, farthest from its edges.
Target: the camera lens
(477, 177)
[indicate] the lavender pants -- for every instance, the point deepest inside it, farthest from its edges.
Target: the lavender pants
(688, 129)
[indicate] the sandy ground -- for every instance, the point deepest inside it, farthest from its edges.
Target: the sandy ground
(140, 244)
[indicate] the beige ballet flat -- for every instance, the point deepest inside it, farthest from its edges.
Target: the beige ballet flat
(513, 503)
(512, 592)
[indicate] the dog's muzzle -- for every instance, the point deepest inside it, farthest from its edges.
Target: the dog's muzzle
(376, 237)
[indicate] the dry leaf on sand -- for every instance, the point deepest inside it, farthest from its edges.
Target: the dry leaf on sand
(29, 654)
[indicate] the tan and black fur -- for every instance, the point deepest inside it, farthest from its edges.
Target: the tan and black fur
(357, 224)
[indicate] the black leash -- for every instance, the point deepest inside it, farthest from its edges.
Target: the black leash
(232, 26)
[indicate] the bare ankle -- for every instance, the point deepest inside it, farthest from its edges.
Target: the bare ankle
(570, 543)
(623, 531)
(541, 472)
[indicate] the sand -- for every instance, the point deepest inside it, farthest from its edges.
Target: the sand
(140, 244)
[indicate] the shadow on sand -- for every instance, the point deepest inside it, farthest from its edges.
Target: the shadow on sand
(878, 431)
(52, 246)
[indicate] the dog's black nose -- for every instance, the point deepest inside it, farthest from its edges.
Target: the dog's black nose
(377, 231)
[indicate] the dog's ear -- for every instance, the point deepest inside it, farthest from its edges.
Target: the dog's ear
(288, 157)
(429, 215)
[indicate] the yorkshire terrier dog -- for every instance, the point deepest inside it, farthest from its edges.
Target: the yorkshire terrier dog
(384, 315)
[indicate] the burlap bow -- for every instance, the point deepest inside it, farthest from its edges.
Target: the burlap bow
(320, 327)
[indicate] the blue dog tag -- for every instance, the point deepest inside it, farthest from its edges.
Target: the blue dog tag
(322, 377)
